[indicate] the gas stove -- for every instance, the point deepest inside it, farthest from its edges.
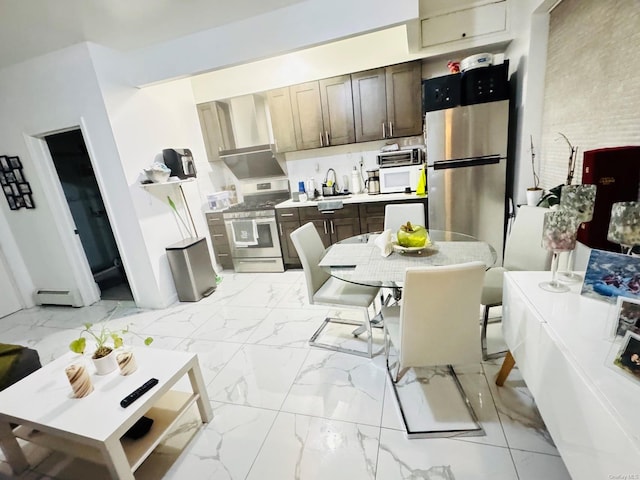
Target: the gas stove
(260, 198)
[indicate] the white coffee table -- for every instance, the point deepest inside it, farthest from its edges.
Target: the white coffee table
(92, 427)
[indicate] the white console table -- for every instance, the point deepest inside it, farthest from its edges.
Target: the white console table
(561, 345)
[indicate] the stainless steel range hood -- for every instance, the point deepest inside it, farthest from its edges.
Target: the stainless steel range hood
(247, 124)
(252, 162)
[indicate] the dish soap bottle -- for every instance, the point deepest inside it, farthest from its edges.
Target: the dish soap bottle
(355, 181)
(421, 189)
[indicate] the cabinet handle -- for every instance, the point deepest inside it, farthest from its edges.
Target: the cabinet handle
(384, 131)
(223, 254)
(326, 212)
(286, 214)
(326, 134)
(390, 129)
(332, 231)
(218, 234)
(280, 227)
(325, 227)
(321, 144)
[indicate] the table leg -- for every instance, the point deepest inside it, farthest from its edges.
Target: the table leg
(507, 365)
(197, 383)
(11, 449)
(116, 460)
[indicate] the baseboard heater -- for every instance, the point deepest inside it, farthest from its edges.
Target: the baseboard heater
(58, 297)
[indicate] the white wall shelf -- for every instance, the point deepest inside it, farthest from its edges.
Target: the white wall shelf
(171, 181)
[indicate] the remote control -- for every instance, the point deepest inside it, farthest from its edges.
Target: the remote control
(136, 394)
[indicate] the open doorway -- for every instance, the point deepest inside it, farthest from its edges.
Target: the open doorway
(73, 165)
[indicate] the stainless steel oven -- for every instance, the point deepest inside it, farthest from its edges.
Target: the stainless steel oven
(251, 226)
(254, 241)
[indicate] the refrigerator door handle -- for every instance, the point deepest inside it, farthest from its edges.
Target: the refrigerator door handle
(467, 162)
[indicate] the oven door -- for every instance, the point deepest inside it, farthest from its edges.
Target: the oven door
(260, 253)
(397, 179)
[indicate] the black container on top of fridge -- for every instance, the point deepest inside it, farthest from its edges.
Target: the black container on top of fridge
(467, 170)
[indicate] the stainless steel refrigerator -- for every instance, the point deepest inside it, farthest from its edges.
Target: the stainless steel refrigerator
(466, 170)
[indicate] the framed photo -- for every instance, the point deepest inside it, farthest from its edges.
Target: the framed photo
(627, 317)
(28, 201)
(17, 173)
(611, 275)
(7, 190)
(19, 202)
(12, 202)
(15, 190)
(10, 177)
(3, 179)
(24, 187)
(4, 163)
(14, 162)
(628, 358)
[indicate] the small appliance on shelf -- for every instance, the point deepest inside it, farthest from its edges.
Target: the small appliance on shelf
(180, 161)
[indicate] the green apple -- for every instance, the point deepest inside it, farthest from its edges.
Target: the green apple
(412, 236)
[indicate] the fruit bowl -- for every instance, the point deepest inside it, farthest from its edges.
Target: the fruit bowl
(428, 247)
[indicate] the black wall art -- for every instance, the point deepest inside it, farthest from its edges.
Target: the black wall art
(14, 186)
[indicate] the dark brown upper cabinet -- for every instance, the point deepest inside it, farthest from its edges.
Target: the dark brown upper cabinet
(279, 102)
(323, 112)
(387, 102)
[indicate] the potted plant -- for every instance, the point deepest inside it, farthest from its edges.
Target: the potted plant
(106, 341)
(534, 194)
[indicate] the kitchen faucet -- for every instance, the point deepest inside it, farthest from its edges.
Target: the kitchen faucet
(326, 177)
(329, 190)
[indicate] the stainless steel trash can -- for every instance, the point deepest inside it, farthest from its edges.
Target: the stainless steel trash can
(191, 268)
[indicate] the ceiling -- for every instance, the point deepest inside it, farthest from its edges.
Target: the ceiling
(29, 28)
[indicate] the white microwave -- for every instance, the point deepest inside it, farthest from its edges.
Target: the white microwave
(398, 179)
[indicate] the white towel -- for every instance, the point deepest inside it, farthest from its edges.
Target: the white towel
(383, 242)
(245, 233)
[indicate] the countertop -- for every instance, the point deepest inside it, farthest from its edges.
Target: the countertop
(359, 198)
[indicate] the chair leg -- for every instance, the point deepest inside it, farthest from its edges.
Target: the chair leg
(483, 336)
(366, 325)
(472, 432)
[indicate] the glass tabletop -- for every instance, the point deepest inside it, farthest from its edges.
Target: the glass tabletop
(359, 259)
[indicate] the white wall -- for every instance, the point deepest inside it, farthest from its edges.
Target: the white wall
(302, 25)
(40, 96)
(144, 122)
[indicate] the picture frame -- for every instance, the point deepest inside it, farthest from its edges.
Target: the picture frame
(627, 317)
(14, 162)
(17, 173)
(4, 163)
(610, 275)
(28, 201)
(15, 191)
(10, 177)
(627, 360)
(19, 201)
(3, 179)
(24, 188)
(7, 190)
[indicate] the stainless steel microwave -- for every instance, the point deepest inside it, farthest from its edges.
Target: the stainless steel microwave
(400, 158)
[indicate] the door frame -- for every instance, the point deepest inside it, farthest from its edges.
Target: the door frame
(54, 194)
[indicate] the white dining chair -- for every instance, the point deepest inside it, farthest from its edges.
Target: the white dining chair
(323, 289)
(397, 214)
(523, 251)
(436, 324)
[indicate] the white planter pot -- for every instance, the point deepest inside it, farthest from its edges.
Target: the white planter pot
(534, 196)
(106, 364)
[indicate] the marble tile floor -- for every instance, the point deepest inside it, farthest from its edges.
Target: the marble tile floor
(284, 410)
